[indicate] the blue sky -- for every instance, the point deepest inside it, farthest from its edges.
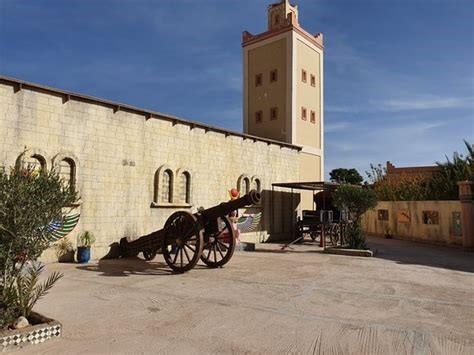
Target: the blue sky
(399, 74)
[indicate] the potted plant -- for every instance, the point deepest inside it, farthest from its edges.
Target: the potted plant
(64, 251)
(86, 240)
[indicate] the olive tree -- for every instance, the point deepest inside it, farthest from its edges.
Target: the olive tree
(30, 200)
(356, 200)
(346, 176)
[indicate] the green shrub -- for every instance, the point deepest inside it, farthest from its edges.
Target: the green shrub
(29, 201)
(442, 185)
(346, 176)
(355, 237)
(356, 201)
(63, 247)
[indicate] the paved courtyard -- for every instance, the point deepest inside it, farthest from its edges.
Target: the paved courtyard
(411, 298)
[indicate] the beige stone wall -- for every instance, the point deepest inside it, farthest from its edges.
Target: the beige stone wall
(262, 60)
(309, 171)
(118, 153)
(442, 233)
(307, 96)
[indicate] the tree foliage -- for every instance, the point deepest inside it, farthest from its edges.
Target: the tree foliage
(29, 201)
(356, 201)
(375, 174)
(441, 185)
(346, 176)
(404, 188)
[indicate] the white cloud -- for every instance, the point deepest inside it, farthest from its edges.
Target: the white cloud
(413, 103)
(424, 103)
(336, 126)
(341, 109)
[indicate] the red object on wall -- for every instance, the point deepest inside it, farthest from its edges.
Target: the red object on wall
(234, 193)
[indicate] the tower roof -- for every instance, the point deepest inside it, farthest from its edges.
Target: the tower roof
(281, 2)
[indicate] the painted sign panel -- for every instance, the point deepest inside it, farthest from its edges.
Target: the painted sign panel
(457, 229)
(430, 217)
(382, 215)
(403, 216)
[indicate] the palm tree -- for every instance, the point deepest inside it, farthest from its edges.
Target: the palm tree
(460, 168)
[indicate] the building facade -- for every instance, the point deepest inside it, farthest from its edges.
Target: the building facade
(283, 87)
(134, 167)
(394, 173)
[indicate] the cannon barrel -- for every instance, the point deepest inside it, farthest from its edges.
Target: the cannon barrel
(252, 198)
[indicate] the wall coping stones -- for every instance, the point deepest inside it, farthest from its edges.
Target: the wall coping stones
(67, 96)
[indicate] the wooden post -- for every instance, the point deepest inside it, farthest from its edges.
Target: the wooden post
(322, 242)
(467, 210)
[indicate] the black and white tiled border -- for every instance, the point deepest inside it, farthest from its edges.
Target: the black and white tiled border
(36, 334)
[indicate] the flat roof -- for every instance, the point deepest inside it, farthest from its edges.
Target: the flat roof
(308, 185)
(148, 114)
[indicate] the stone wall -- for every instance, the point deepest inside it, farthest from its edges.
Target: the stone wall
(117, 154)
(436, 222)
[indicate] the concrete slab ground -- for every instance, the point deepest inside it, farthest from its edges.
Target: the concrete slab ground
(409, 299)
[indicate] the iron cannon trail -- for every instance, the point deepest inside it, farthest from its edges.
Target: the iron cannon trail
(207, 235)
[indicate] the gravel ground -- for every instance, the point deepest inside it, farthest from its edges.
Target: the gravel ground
(410, 298)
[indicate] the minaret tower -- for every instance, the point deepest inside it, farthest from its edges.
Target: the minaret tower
(283, 86)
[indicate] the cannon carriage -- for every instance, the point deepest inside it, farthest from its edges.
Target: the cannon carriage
(186, 238)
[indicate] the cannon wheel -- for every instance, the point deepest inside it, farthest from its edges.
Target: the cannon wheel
(182, 241)
(219, 245)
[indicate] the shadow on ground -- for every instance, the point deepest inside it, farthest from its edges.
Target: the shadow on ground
(132, 266)
(408, 252)
(127, 267)
(278, 248)
(399, 251)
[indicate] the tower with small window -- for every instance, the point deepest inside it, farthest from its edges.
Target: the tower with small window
(283, 86)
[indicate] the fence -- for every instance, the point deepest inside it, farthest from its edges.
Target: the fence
(436, 222)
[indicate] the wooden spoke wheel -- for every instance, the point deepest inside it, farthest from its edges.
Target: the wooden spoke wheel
(182, 241)
(149, 254)
(316, 232)
(219, 243)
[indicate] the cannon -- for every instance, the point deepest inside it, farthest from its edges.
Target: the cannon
(186, 238)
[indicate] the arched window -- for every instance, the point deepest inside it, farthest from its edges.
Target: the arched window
(246, 185)
(67, 172)
(34, 162)
(167, 186)
(257, 185)
(185, 187)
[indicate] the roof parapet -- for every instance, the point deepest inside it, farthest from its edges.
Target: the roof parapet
(67, 96)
